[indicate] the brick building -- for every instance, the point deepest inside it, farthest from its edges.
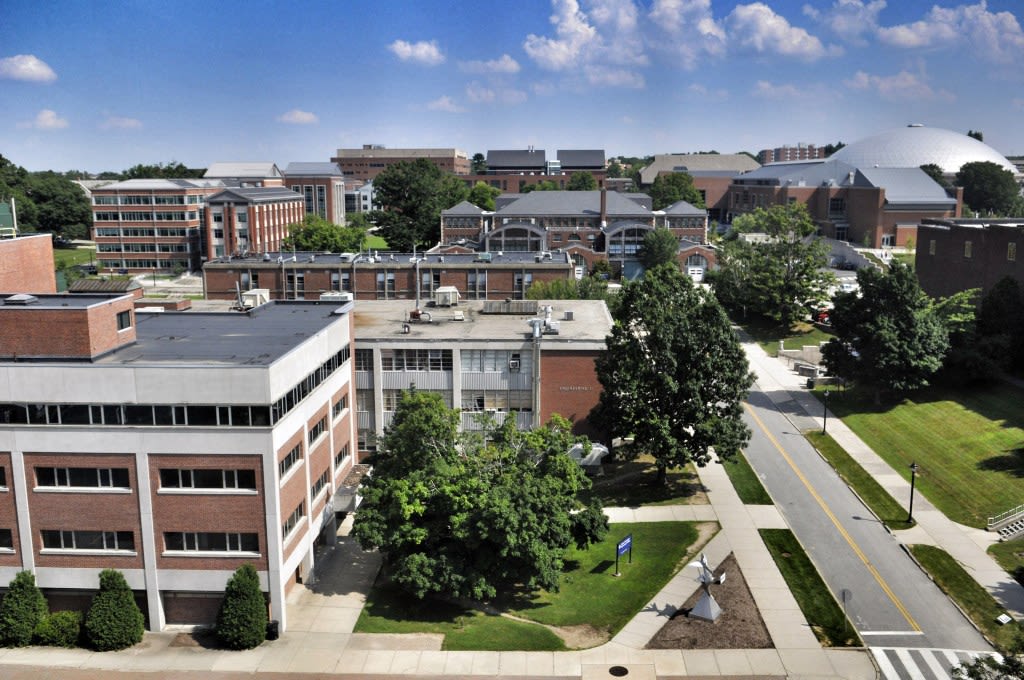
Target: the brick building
(298, 276)
(786, 153)
(956, 255)
(484, 358)
(172, 447)
(246, 174)
(712, 174)
(250, 219)
(322, 187)
(371, 160)
(26, 263)
(513, 170)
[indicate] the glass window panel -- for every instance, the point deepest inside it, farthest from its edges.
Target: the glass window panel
(240, 416)
(74, 414)
(135, 414)
(202, 415)
(163, 415)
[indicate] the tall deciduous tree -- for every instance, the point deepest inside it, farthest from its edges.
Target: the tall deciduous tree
(482, 195)
(936, 173)
(412, 195)
(779, 275)
(581, 181)
(660, 246)
(317, 234)
(674, 187)
(888, 335)
(988, 187)
(470, 517)
(543, 185)
(674, 375)
(478, 164)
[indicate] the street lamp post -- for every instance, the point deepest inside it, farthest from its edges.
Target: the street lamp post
(824, 422)
(913, 475)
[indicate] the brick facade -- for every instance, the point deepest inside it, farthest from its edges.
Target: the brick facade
(26, 264)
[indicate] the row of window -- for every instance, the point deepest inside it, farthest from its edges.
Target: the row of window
(139, 216)
(134, 232)
(1011, 250)
(289, 461)
(416, 359)
(308, 384)
(146, 200)
(124, 541)
(83, 478)
(319, 484)
(174, 478)
(118, 478)
(339, 406)
(317, 430)
(144, 263)
(293, 519)
(142, 248)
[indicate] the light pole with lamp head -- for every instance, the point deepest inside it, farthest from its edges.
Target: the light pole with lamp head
(824, 422)
(913, 475)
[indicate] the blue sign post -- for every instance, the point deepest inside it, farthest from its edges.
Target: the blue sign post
(625, 545)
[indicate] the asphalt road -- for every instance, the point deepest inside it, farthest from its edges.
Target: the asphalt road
(890, 601)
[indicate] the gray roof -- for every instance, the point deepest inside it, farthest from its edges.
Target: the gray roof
(572, 203)
(905, 186)
(255, 194)
(159, 185)
(917, 145)
(684, 208)
(735, 163)
(256, 170)
(581, 158)
(464, 208)
(55, 300)
(333, 260)
(515, 159)
(802, 173)
(103, 286)
(313, 170)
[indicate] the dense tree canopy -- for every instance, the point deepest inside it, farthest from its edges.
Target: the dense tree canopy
(317, 234)
(1001, 325)
(468, 516)
(587, 288)
(888, 335)
(482, 195)
(936, 173)
(615, 169)
(172, 170)
(673, 375)
(478, 164)
(581, 181)
(674, 187)
(660, 246)
(543, 185)
(780, 276)
(45, 201)
(412, 195)
(988, 188)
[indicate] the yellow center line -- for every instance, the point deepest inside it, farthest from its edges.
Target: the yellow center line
(839, 527)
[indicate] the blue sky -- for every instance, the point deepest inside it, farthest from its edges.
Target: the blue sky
(102, 86)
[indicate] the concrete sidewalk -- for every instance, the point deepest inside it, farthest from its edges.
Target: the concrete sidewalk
(965, 544)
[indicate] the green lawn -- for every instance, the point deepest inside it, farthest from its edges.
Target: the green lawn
(871, 492)
(746, 482)
(819, 607)
(631, 483)
(374, 242)
(968, 442)
(768, 334)
(1010, 556)
(73, 256)
(968, 594)
(589, 593)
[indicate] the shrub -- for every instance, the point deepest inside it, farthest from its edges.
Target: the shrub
(242, 619)
(60, 629)
(114, 620)
(21, 610)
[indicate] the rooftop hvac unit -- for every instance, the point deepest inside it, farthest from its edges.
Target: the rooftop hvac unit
(337, 296)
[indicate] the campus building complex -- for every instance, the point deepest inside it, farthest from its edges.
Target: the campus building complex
(957, 255)
(366, 163)
(172, 447)
(322, 187)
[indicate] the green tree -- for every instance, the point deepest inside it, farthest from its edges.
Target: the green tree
(242, 618)
(990, 668)
(780, 275)
(412, 195)
(832, 148)
(172, 170)
(60, 629)
(673, 375)
(889, 337)
(544, 185)
(473, 516)
(587, 288)
(114, 620)
(660, 246)
(1001, 324)
(581, 181)
(976, 134)
(936, 173)
(673, 187)
(615, 169)
(21, 610)
(482, 195)
(478, 164)
(315, 233)
(988, 187)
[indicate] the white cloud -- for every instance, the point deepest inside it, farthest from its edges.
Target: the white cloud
(998, 34)
(481, 94)
(757, 27)
(503, 64)
(765, 89)
(46, 119)
(613, 77)
(26, 67)
(445, 103)
(120, 123)
(690, 30)
(574, 33)
(849, 19)
(298, 117)
(903, 85)
(422, 52)
(708, 95)
(617, 23)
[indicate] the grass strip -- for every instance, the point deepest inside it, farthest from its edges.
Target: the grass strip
(745, 481)
(633, 483)
(819, 607)
(768, 333)
(968, 594)
(1010, 556)
(885, 507)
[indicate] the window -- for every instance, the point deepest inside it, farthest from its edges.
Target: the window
(82, 478)
(124, 320)
(200, 541)
(339, 406)
(293, 519)
(967, 248)
(289, 461)
(364, 359)
(6, 540)
(317, 430)
(121, 541)
(341, 456)
(1011, 251)
(416, 359)
(3, 477)
(207, 479)
(319, 484)
(931, 247)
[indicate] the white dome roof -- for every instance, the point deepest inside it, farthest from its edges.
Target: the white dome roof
(916, 145)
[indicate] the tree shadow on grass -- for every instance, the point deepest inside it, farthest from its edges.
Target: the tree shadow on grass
(632, 483)
(1011, 462)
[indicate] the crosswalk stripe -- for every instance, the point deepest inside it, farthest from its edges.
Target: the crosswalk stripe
(932, 659)
(909, 664)
(884, 665)
(918, 663)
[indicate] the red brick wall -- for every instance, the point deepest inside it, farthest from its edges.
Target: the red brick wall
(34, 331)
(26, 265)
(569, 387)
(9, 514)
(293, 492)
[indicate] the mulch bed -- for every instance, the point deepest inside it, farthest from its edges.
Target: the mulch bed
(739, 627)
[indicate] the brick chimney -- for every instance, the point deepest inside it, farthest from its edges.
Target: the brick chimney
(604, 208)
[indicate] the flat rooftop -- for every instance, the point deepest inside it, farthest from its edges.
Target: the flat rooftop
(393, 259)
(54, 300)
(255, 338)
(384, 320)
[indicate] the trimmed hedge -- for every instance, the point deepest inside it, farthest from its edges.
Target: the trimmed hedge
(114, 620)
(242, 619)
(22, 609)
(60, 629)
